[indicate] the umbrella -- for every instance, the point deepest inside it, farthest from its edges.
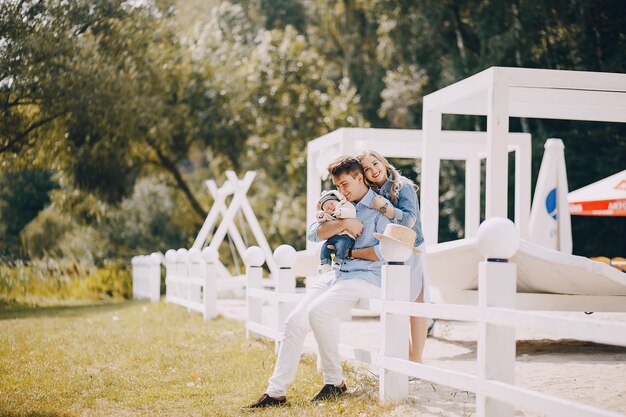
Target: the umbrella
(606, 197)
(550, 225)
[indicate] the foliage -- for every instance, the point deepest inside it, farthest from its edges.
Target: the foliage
(347, 36)
(138, 106)
(177, 92)
(283, 94)
(50, 280)
(426, 45)
(41, 236)
(148, 221)
(23, 193)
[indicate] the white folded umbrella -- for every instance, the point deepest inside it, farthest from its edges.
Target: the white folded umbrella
(550, 223)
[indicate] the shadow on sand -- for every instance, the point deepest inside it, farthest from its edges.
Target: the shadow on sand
(540, 347)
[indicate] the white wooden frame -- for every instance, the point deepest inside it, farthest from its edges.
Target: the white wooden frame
(500, 93)
(238, 188)
(470, 147)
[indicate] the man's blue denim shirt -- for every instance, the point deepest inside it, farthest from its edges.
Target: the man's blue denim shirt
(373, 221)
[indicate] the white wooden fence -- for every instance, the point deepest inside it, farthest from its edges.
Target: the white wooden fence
(284, 295)
(146, 276)
(494, 385)
(191, 280)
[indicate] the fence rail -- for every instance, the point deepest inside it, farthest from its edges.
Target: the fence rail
(494, 385)
(191, 277)
(191, 282)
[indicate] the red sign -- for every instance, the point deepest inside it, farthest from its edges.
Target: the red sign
(615, 207)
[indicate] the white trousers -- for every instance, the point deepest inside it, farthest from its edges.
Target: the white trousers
(325, 302)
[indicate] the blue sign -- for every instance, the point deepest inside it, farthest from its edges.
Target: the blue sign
(551, 203)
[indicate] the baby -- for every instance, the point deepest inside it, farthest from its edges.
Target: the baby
(332, 206)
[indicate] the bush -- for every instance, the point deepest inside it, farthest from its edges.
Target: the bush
(112, 281)
(43, 281)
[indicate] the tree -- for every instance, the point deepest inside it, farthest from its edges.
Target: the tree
(23, 193)
(283, 93)
(120, 87)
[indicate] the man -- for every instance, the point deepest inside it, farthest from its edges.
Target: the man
(333, 295)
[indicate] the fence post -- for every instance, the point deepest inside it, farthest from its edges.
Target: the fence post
(285, 258)
(497, 240)
(182, 271)
(394, 386)
(254, 259)
(135, 274)
(170, 271)
(210, 257)
(154, 276)
(195, 271)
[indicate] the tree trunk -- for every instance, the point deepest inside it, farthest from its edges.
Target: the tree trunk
(171, 167)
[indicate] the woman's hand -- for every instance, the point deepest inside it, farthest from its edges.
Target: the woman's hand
(378, 202)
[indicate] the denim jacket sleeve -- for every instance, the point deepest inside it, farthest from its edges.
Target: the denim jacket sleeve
(382, 222)
(406, 210)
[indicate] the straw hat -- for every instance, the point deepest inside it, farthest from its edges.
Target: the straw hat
(400, 234)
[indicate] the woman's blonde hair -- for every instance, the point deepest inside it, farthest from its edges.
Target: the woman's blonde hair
(393, 175)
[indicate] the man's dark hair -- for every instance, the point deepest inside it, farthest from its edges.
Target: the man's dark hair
(345, 165)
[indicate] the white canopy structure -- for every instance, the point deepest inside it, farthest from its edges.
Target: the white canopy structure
(406, 143)
(501, 93)
(606, 197)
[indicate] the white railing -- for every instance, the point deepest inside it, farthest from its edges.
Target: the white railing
(190, 280)
(494, 385)
(146, 275)
(284, 295)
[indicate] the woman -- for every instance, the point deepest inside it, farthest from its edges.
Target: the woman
(398, 201)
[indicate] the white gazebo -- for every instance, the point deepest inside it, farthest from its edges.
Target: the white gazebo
(470, 147)
(500, 93)
(546, 279)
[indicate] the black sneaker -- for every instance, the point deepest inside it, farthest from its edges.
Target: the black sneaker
(330, 391)
(266, 401)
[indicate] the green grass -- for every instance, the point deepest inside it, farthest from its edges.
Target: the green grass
(142, 359)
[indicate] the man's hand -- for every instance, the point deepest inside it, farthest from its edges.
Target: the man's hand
(353, 226)
(328, 229)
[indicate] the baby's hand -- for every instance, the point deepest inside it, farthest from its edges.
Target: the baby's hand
(319, 215)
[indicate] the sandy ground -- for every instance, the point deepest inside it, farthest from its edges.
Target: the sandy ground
(585, 372)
